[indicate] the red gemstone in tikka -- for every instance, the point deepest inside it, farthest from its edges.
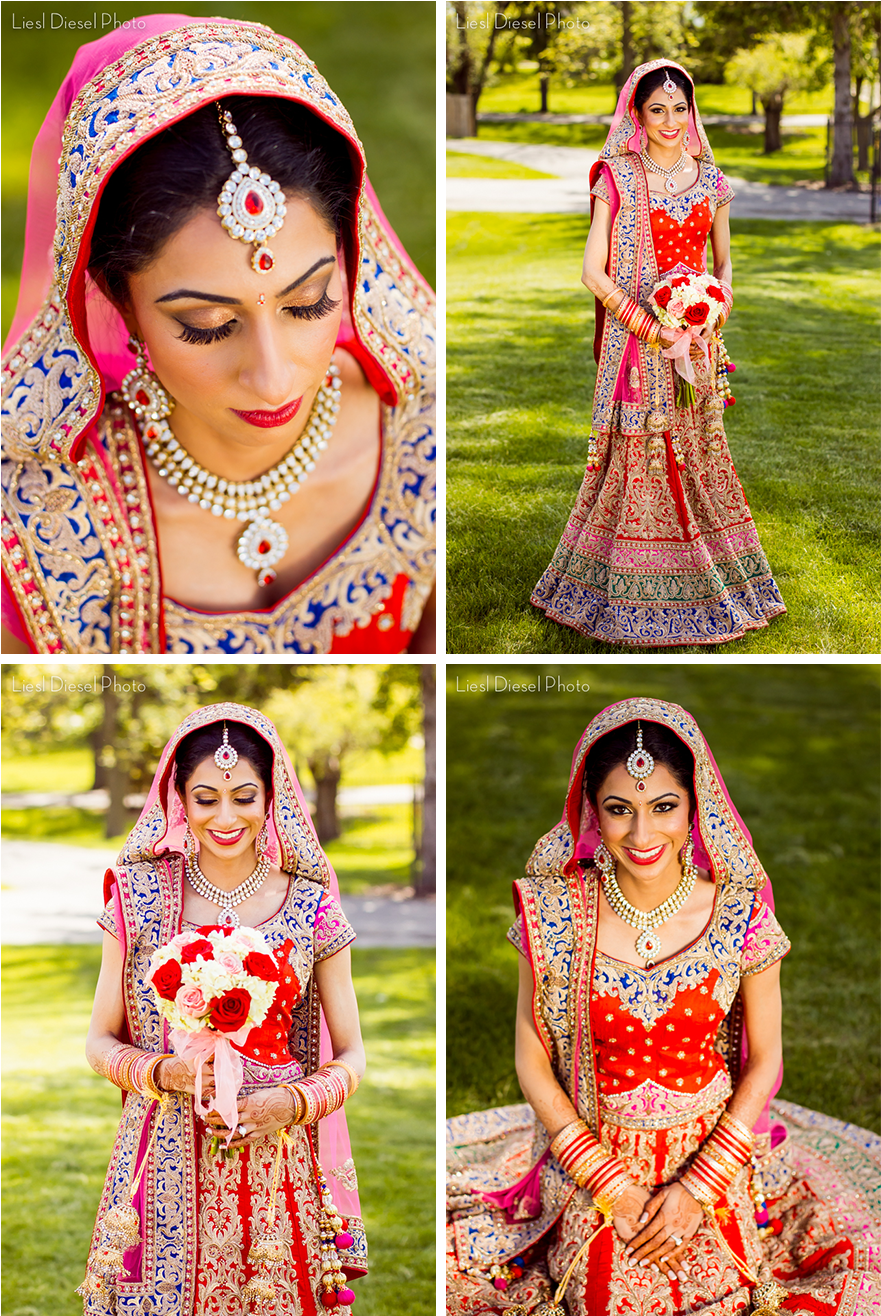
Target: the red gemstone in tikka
(254, 203)
(641, 786)
(265, 260)
(143, 397)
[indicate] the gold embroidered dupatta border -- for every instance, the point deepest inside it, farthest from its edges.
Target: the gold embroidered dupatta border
(559, 919)
(168, 1211)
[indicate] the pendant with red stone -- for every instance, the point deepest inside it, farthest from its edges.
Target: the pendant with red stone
(252, 208)
(261, 544)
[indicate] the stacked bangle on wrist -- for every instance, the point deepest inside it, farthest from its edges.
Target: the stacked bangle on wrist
(729, 302)
(134, 1070)
(616, 292)
(640, 323)
(724, 1154)
(321, 1093)
(582, 1157)
(354, 1076)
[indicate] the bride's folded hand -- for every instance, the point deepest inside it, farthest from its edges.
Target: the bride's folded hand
(627, 1211)
(670, 1219)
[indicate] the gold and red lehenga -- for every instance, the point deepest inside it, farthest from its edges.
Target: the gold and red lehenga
(649, 1057)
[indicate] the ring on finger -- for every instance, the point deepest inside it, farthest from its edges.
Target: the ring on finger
(676, 1239)
(242, 1131)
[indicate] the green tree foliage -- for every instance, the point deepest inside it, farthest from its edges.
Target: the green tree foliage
(773, 69)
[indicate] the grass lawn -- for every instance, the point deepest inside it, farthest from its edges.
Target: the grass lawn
(462, 165)
(60, 1120)
(519, 93)
(798, 748)
(521, 374)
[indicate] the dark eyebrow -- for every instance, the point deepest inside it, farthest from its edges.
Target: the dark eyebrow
(654, 801)
(234, 301)
(660, 104)
(202, 786)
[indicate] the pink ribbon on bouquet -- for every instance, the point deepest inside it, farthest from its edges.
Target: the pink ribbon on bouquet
(228, 1069)
(680, 351)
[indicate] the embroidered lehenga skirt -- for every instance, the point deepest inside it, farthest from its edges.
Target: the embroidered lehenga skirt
(823, 1188)
(662, 557)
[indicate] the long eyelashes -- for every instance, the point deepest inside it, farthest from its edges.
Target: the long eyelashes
(315, 311)
(619, 810)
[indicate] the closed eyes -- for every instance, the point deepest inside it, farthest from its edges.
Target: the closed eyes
(315, 311)
(241, 799)
(665, 807)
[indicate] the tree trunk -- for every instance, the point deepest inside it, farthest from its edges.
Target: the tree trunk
(543, 83)
(864, 138)
(841, 171)
(116, 819)
(773, 107)
(462, 74)
(627, 63)
(755, 109)
(327, 773)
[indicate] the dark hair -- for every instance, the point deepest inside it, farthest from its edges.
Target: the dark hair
(202, 744)
(183, 169)
(615, 748)
(651, 81)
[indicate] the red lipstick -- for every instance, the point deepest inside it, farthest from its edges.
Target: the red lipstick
(232, 838)
(654, 855)
(268, 420)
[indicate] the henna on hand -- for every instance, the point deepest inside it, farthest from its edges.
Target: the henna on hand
(262, 1112)
(176, 1075)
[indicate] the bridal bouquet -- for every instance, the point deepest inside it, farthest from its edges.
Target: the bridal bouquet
(688, 302)
(213, 985)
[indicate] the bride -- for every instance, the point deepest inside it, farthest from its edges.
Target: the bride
(218, 394)
(660, 548)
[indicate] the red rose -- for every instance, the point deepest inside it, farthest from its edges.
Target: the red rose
(230, 1011)
(662, 297)
(680, 282)
(717, 293)
(195, 948)
(167, 979)
(697, 314)
(261, 966)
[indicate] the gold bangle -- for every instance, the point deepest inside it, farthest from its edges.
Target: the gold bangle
(151, 1087)
(615, 292)
(352, 1073)
(613, 1193)
(298, 1101)
(731, 1122)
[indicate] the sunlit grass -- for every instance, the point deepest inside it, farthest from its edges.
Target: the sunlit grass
(461, 165)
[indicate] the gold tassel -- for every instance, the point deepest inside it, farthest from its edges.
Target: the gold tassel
(120, 1230)
(268, 1250)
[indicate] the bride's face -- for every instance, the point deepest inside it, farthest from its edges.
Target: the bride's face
(225, 816)
(228, 342)
(665, 118)
(644, 830)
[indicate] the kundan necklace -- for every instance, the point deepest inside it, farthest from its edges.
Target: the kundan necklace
(227, 918)
(652, 167)
(648, 943)
(263, 542)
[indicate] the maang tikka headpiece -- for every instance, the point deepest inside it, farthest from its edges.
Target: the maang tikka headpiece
(251, 206)
(226, 757)
(640, 764)
(670, 86)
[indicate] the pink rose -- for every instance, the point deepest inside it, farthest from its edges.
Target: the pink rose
(191, 1001)
(676, 308)
(227, 960)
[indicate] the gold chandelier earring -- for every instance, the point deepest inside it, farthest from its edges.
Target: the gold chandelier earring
(262, 843)
(141, 389)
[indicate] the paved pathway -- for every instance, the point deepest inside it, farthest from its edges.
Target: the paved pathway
(569, 191)
(52, 893)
